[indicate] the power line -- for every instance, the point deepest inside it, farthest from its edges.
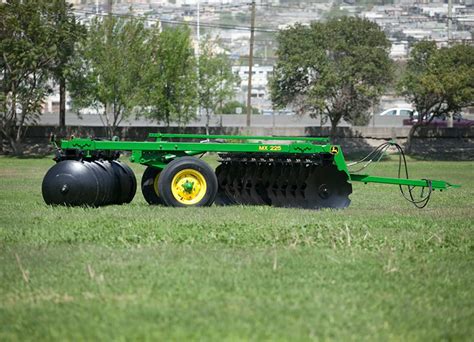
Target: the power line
(249, 92)
(223, 26)
(192, 23)
(406, 20)
(270, 6)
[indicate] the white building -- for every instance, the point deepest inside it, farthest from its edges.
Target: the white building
(399, 50)
(260, 74)
(51, 103)
(260, 91)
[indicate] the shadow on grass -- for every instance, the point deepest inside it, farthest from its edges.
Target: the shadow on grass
(440, 157)
(28, 156)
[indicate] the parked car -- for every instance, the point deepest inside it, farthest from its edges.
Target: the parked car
(397, 112)
(442, 121)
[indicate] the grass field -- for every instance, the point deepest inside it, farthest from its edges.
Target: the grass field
(379, 270)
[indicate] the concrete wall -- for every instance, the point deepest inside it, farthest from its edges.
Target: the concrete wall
(443, 143)
(141, 132)
(227, 120)
(427, 142)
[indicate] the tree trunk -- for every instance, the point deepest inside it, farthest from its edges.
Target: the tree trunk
(333, 129)
(450, 120)
(109, 114)
(62, 102)
(408, 145)
(16, 146)
(208, 119)
(111, 131)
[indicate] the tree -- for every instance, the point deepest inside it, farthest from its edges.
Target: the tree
(26, 58)
(67, 32)
(336, 69)
(108, 71)
(438, 81)
(216, 80)
(171, 80)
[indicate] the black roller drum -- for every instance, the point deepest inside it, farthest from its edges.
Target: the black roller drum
(94, 183)
(111, 184)
(127, 182)
(70, 182)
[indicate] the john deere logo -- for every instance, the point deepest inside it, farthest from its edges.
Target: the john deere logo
(334, 150)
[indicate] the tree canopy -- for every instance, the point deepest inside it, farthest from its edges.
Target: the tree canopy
(439, 81)
(216, 80)
(28, 52)
(68, 31)
(108, 71)
(335, 70)
(116, 67)
(171, 80)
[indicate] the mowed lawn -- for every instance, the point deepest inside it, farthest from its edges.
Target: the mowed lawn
(379, 270)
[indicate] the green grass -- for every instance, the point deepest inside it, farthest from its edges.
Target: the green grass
(379, 270)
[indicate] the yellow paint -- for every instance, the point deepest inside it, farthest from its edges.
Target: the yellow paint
(155, 184)
(269, 148)
(180, 182)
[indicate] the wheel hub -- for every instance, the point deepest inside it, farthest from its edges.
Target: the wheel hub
(323, 191)
(189, 186)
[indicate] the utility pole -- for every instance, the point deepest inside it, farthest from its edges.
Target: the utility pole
(109, 110)
(450, 21)
(450, 36)
(109, 6)
(249, 92)
(198, 34)
(62, 94)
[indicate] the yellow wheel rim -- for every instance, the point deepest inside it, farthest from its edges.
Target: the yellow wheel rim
(188, 186)
(155, 184)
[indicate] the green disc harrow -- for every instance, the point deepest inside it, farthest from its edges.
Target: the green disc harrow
(302, 172)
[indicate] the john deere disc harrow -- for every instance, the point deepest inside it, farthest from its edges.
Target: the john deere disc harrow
(283, 180)
(300, 172)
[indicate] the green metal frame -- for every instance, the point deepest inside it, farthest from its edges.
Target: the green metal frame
(435, 184)
(160, 152)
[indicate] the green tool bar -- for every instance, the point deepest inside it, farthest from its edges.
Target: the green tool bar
(435, 184)
(234, 137)
(195, 147)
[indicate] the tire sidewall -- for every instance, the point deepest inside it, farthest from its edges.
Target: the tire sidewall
(177, 165)
(148, 190)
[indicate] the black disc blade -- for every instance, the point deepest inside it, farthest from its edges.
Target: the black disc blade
(258, 191)
(222, 174)
(327, 187)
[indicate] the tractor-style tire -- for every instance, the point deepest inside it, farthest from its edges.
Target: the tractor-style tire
(187, 182)
(150, 185)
